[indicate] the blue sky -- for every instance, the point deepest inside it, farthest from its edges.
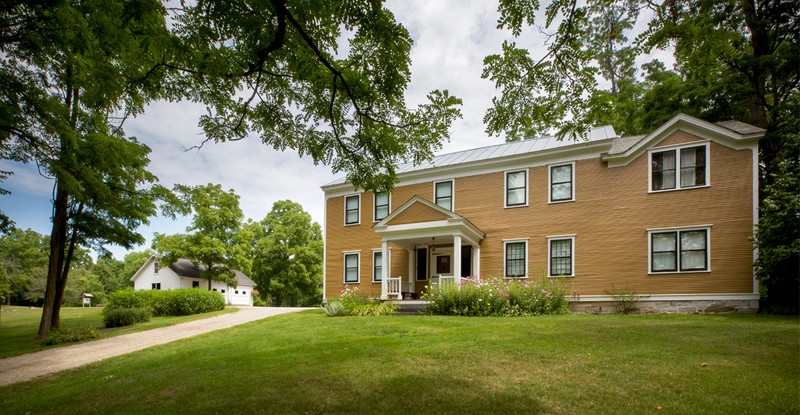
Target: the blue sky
(451, 39)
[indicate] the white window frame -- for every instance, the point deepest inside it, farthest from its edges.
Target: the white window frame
(375, 206)
(358, 266)
(550, 182)
(379, 251)
(358, 222)
(452, 193)
(677, 149)
(505, 188)
(550, 240)
(678, 230)
(505, 259)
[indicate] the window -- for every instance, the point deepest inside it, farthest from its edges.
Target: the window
(195, 284)
(351, 267)
(517, 188)
(156, 264)
(561, 261)
(223, 291)
(561, 183)
(683, 250)
(244, 292)
(664, 171)
(155, 286)
(381, 205)
(516, 263)
(236, 292)
(351, 208)
(377, 266)
(443, 194)
(213, 289)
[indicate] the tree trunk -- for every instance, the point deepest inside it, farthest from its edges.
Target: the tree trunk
(759, 40)
(62, 280)
(58, 237)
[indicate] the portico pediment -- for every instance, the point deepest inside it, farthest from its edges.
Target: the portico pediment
(419, 218)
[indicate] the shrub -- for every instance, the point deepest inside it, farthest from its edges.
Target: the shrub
(258, 301)
(354, 303)
(626, 299)
(497, 297)
(69, 335)
(179, 302)
(119, 317)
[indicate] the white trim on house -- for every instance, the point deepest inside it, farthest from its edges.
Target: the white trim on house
(375, 206)
(505, 187)
(383, 271)
(550, 183)
(678, 149)
(505, 259)
(550, 239)
(690, 125)
(677, 230)
(357, 222)
(671, 297)
(452, 193)
(357, 253)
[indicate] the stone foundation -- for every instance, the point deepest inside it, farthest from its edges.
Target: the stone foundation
(646, 306)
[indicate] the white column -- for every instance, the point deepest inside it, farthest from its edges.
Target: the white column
(411, 258)
(385, 270)
(476, 260)
(457, 258)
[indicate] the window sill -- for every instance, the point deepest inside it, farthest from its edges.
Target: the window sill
(679, 189)
(560, 276)
(514, 206)
(556, 202)
(352, 224)
(678, 272)
(516, 278)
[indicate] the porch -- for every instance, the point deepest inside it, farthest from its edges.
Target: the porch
(442, 248)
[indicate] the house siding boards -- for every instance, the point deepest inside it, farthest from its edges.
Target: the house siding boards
(609, 218)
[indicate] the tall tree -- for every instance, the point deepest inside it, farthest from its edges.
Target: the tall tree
(212, 239)
(70, 74)
(735, 59)
(324, 78)
(287, 265)
(23, 261)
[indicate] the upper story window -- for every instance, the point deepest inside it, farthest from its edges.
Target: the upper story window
(381, 207)
(443, 194)
(679, 168)
(351, 261)
(561, 258)
(351, 210)
(516, 259)
(682, 250)
(562, 182)
(516, 188)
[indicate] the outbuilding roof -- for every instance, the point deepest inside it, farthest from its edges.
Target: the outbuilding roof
(184, 268)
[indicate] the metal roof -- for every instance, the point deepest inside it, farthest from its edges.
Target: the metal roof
(500, 150)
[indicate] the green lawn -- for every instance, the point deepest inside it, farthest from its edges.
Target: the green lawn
(19, 325)
(574, 364)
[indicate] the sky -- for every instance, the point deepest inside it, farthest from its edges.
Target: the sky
(451, 39)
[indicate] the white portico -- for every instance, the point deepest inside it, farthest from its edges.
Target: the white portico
(418, 222)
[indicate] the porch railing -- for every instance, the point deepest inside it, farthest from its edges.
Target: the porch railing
(394, 286)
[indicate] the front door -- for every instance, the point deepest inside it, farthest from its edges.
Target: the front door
(443, 264)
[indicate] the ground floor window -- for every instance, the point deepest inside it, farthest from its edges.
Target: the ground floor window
(515, 260)
(377, 266)
(155, 286)
(561, 259)
(195, 284)
(679, 250)
(351, 267)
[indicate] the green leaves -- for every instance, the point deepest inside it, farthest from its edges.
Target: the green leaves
(287, 262)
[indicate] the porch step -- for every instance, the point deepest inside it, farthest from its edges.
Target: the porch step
(410, 307)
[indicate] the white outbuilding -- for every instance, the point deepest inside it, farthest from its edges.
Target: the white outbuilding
(153, 275)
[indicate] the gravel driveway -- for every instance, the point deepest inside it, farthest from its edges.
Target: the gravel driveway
(32, 365)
